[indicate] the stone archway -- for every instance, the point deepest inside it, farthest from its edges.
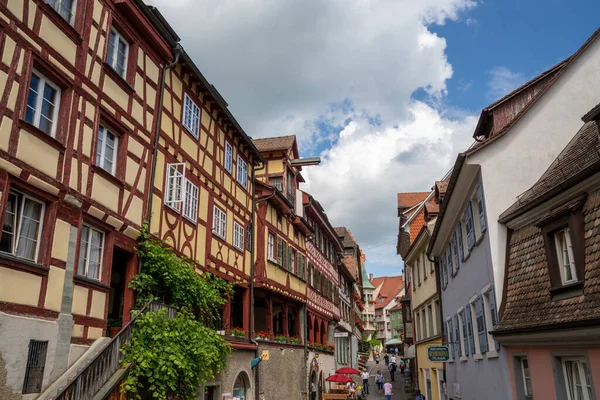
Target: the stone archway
(313, 379)
(242, 386)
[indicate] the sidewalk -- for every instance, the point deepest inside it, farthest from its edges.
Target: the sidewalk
(398, 384)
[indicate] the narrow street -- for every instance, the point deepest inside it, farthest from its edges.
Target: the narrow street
(398, 384)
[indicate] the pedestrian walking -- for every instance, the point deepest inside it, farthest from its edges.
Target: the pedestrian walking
(386, 358)
(313, 390)
(379, 381)
(392, 371)
(419, 396)
(377, 359)
(402, 365)
(393, 359)
(396, 350)
(388, 390)
(351, 386)
(365, 378)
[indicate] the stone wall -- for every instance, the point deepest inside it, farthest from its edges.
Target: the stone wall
(283, 375)
(6, 392)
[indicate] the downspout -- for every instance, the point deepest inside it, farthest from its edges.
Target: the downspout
(177, 49)
(252, 255)
(305, 369)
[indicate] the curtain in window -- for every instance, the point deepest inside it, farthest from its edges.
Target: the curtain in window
(93, 270)
(10, 225)
(30, 225)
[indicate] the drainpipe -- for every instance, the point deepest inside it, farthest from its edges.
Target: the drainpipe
(252, 255)
(163, 78)
(307, 378)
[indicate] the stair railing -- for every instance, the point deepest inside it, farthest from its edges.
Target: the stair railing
(100, 368)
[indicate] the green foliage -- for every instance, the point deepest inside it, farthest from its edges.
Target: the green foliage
(172, 279)
(238, 332)
(171, 355)
(174, 355)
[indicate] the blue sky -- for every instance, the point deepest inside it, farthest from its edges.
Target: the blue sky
(526, 37)
(386, 92)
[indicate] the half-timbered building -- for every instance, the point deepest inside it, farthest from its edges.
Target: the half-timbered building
(80, 97)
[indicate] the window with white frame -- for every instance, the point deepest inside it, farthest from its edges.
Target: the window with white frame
(481, 208)
(475, 345)
(462, 328)
(228, 157)
(65, 8)
(450, 338)
(271, 249)
(219, 222)
(43, 102)
(418, 267)
(424, 265)
(242, 172)
(22, 226)
(190, 206)
(90, 252)
(469, 226)
(191, 116)
(238, 236)
(578, 380)
(430, 319)
(564, 252)
(118, 53)
(526, 376)
(106, 150)
(174, 186)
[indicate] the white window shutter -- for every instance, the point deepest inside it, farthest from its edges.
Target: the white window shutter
(174, 186)
(456, 250)
(449, 259)
(457, 333)
(470, 328)
(460, 241)
(463, 316)
(469, 225)
(493, 312)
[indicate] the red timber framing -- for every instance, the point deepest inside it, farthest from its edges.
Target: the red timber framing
(61, 170)
(323, 253)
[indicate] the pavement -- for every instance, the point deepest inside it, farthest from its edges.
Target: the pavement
(398, 384)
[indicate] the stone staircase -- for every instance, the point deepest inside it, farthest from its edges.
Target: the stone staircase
(97, 366)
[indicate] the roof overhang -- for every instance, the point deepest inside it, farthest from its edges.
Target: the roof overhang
(463, 178)
(302, 225)
(421, 239)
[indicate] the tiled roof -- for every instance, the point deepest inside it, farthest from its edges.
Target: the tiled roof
(582, 152)
(345, 235)
(432, 207)
(518, 102)
(409, 199)
(416, 225)
(528, 302)
(397, 307)
(391, 286)
(350, 263)
(274, 143)
(441, 186)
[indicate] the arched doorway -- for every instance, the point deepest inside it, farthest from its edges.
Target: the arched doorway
(241, 386)
(323, 333)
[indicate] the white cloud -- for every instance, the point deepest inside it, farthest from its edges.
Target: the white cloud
(503, 81)
(339, 74)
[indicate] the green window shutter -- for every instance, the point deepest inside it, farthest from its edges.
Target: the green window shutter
(283, 254)
(291, 263)
(279, 249)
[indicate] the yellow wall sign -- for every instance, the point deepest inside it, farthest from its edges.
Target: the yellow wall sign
(265, 355)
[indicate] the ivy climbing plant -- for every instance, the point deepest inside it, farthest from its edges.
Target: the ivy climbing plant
(174, 355)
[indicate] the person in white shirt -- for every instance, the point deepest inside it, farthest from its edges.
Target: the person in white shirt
(393, 360)
(351, 386)
(365, 378)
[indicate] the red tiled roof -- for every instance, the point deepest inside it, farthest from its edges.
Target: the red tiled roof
(274, 143)
(397, 307)
(391, 286)
(432, 207)
(416, 224)
(409, 199)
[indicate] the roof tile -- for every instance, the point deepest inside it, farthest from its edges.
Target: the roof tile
(409, 199)
(274, 143)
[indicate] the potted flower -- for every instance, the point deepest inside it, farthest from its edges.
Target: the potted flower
(237, 332)
(114, 327)
(281, 339)
(262, 335)
(295, 340)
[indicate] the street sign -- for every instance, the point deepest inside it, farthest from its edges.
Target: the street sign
(340, 334)
(438, 353)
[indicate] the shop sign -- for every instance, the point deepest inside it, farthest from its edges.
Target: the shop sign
(438, 353)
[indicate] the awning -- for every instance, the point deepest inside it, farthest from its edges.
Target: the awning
(393, 342)
(410, 352)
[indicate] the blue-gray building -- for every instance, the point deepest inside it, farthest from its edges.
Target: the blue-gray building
(478, 367)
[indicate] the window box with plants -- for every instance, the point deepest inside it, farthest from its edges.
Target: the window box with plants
(114, 326)
(237, 332)
(262, 335)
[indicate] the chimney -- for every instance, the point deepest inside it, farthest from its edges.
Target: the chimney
(371, 277)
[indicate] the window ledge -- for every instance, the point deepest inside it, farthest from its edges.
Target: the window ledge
(108, 176)
(273, 261)
(464, 359)
(64, 25)
(218, 235)
(43, 136)
(118, 78)
(24, 264)
(567, 291)
(491, 354)
(90, 282)
(477, 357)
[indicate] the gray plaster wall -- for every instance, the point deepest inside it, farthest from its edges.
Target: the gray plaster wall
(481, 379)
(283, 375)
(238, 363)
(6, 392)
(15, 333)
